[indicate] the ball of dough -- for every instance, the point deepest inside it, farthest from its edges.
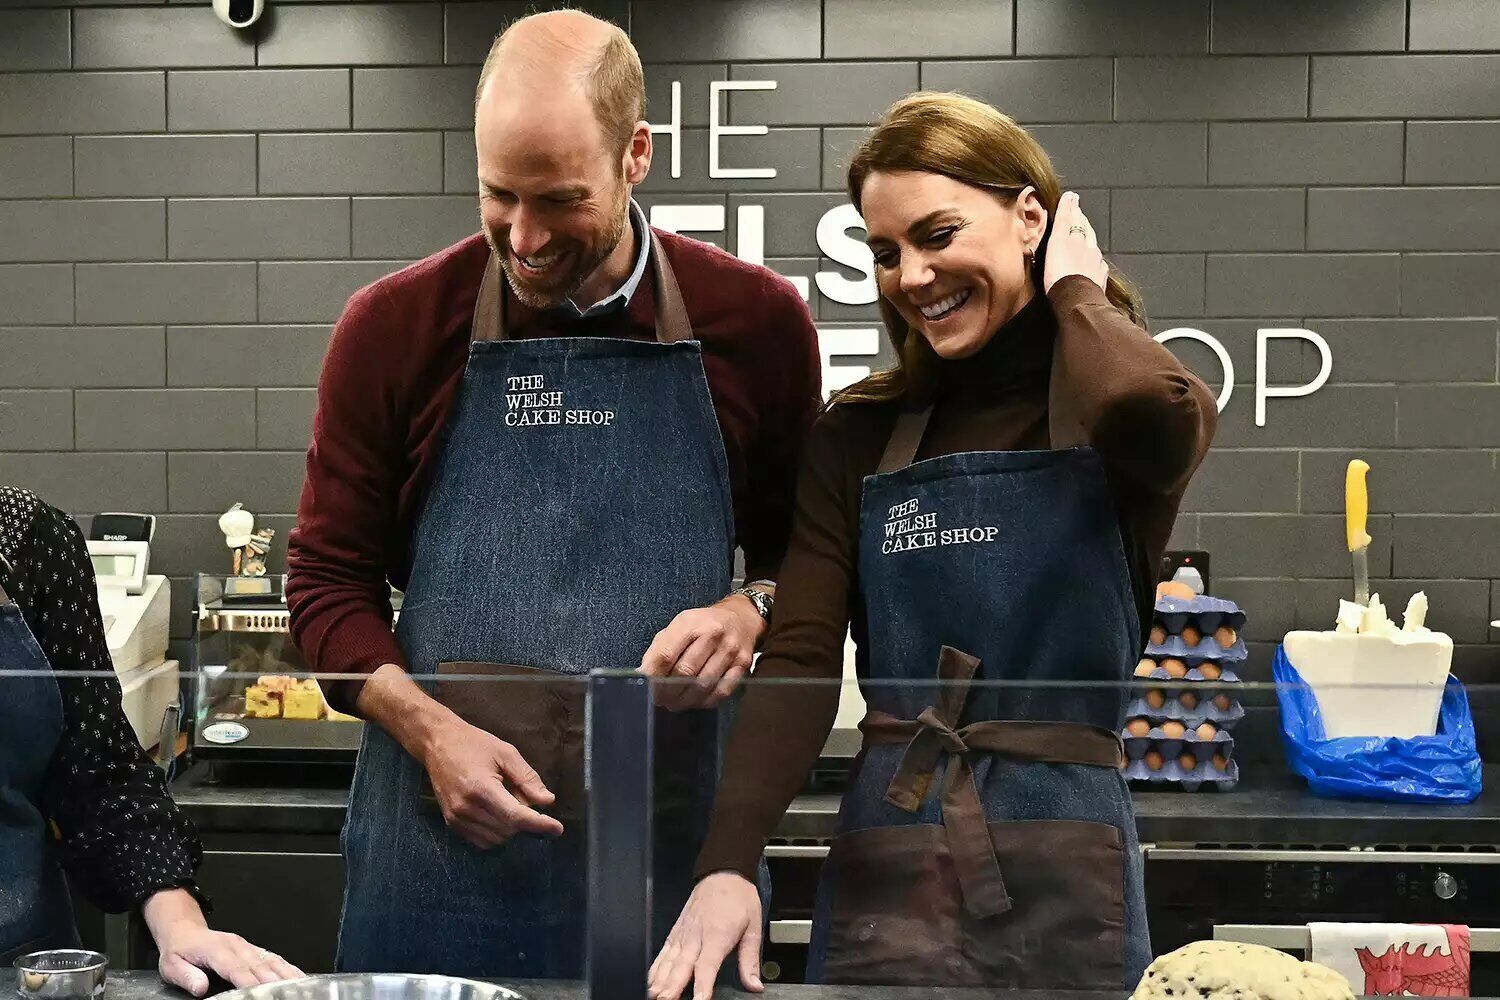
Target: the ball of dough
(1191, 636)
(1225, 636)
(1138, 727)
(1174, 668)
(1146, 667)
(1228, 970)
(1158, 634)
(1173, 730)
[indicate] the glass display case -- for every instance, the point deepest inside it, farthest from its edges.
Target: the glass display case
(252, 696)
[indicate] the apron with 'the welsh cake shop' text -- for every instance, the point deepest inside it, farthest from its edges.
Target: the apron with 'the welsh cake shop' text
(580, 503)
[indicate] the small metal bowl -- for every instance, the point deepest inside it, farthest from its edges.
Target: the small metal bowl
(63, 974)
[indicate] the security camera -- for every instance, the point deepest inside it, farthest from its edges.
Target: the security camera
(239, 13)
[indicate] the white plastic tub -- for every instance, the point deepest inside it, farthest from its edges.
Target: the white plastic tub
(145, 693)
(1374, 685)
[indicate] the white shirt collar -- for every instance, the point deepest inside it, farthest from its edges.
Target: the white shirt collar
(623, 294)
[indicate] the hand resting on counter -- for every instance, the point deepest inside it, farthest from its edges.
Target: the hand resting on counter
(721, 916)
(190, 950)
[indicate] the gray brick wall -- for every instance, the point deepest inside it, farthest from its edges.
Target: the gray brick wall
(184, 210)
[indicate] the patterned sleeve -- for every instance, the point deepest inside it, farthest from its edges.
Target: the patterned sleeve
(123, 838)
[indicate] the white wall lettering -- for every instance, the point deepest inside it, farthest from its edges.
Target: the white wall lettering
(1262, 390)
(717, 129)
(839, 238)
(1225, 361)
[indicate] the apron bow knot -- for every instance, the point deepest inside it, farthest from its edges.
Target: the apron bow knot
(932, 734)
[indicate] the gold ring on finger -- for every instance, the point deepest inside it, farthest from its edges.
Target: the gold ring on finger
(1077, 229)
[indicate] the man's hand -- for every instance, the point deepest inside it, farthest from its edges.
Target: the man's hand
(722, 915)
(189, 950)
(704, 653)
(486, 789)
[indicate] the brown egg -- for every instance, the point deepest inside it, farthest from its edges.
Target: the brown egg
(1138, 727)
(1221, 762)
(1206, 731)
(1146, 667)
(1155, 699)
(1222, 702)
(1154, 759)
(1173, 730)
(1210, 671)
(1171, 588)
(1174, 668)
(1191, 636)
(1225, 636)
(1188, 762)
(1158, 634)
(1189, 700)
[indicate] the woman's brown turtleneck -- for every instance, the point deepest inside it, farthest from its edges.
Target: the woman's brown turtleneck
(1068, 369)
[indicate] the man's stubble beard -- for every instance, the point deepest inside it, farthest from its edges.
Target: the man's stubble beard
(536, 298)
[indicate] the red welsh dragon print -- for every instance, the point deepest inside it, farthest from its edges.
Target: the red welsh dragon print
(1420, 972)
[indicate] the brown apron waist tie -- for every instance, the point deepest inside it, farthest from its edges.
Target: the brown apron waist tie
(932, 734)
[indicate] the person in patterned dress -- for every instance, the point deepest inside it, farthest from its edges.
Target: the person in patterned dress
(81, 804)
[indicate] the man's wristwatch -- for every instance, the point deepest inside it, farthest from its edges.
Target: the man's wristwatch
(763, 601)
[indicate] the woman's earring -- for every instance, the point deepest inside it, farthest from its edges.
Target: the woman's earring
(1029, 255)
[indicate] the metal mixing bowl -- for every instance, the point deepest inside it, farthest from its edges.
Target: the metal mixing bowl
(63, 974)
(366, 986)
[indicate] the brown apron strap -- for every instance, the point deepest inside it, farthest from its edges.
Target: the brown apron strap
(931, 734)
(906, 438)
(489, 307)
(672, 323)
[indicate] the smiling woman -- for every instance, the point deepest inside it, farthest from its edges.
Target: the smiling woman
(955, 272)
(1017, 473)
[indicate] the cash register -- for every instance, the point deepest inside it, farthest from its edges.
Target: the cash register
(136, 607)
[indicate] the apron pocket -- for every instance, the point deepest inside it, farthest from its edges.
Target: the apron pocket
(1066, 928)
(894, 916)
(897, 915)
(541, 715)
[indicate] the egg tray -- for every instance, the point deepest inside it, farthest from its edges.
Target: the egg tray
(1172, 774)
(1207, 649)
(1208, 613)
(1194, 676)
(1175, 710)
(1171, 747)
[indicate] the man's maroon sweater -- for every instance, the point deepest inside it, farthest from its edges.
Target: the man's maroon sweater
(390, 378)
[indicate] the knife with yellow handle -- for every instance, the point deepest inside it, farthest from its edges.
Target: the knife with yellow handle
(1356, 514)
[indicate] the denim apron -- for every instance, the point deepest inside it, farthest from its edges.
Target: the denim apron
(35, 910)
(987, 837)
(580, 503)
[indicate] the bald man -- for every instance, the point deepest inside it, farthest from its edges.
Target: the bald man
(551, 436)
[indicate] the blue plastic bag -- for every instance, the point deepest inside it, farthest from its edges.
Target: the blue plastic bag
(1441, 768)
